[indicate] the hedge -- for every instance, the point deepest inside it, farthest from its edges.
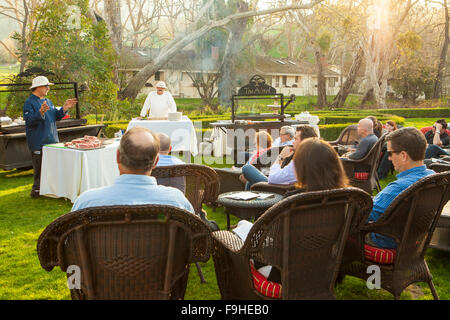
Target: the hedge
(437, 113)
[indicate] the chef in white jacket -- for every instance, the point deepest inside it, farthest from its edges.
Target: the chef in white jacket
(159, 103)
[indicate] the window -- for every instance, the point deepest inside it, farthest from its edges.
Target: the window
(284, 80)
(157, 76)
(332, 82)
(277, 81)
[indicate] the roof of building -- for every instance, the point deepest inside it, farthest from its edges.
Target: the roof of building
(137, 58)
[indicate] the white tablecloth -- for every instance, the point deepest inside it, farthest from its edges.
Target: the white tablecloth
(68, 173)
(181, 133)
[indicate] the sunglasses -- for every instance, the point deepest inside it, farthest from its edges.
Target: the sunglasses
(391, 152)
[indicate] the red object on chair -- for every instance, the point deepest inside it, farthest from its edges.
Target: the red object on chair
(379, 255)
(265, 287)
(67, 116)
(426, 129)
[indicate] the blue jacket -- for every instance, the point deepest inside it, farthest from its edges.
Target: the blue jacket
(40, 130)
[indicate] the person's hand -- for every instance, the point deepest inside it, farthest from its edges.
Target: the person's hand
(286, 152)
(69, 104)
(44, 108)
(242, 179)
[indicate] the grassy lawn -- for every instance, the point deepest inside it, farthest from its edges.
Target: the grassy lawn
(22, 219)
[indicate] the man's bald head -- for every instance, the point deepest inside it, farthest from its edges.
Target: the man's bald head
(365, 127)
(164, 142)
(138, 150)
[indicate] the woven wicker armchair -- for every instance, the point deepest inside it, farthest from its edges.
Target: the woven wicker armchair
(270, 187)
(229, 180)
(362, 173)
(347, 137)
(126, 252)
(439, 167)
(410, 220)
(303, 236)
(202, 183)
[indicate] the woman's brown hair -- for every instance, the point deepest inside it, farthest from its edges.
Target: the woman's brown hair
(263, 139)
(392, 123)
(318, 167)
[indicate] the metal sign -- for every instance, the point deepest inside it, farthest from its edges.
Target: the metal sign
(256, 86)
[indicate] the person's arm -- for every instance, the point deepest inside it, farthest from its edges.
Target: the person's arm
(31, 116)
(278, 175)
(361, 150)
(172, 104)
(146, 106)
(437, 135)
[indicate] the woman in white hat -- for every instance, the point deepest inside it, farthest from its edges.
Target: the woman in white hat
(159, 103)
(40, 124)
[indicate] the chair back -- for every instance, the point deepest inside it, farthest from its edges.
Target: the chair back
(202, 183)
(348, 136)
(362, 172)
(411, 218)
(439, 167)
(304, 235)
(126, 252)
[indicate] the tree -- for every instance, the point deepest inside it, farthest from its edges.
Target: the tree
(412, 76)
(24, 13)
(194, 32)
(443, 58)
(81, 53)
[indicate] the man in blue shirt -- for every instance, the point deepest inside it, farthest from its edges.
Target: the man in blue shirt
(136, 157)
(40, 124)
(406, 149)
(165, 159)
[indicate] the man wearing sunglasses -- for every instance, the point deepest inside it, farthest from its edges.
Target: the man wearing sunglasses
(436, 139)
(40, 124)
(406, 149)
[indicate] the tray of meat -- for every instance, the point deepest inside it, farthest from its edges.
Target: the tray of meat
(85, 143)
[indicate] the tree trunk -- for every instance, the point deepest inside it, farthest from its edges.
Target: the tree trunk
(442, 61)
(343, 93)
(174, 47)
(321, 81)
(24, 48)
(227, 80)
(113, 19)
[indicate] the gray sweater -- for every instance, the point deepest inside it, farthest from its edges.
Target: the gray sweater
(364, 147)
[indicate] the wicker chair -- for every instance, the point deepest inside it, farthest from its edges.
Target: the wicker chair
(303, 236)
(202, 183)
(362, 173)
(229, 180)
(349, 136)
(126, 252)
(410, 220)
(439, 167)
(274, 188)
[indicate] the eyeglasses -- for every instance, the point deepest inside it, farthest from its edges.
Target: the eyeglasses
(391, 152)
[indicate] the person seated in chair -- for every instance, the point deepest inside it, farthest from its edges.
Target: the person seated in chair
(436, 139)
(368, 140)
(165, 159)
(311, 158)
(136, 157)
(406, 149)
(286, 137)
(282, 171)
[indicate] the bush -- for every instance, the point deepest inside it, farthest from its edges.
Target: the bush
(437, 113)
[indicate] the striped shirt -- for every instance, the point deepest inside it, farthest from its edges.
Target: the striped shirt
(383, 199)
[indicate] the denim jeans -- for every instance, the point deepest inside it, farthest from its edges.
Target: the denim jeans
(434, 151)
(252, 175)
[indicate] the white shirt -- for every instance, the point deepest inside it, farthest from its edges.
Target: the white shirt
(159, 105)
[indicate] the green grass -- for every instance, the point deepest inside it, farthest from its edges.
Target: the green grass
(22, 220)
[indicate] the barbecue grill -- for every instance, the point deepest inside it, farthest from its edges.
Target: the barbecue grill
(14, 152)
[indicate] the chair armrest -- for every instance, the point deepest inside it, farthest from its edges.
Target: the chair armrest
(275, 188)
(228, 240)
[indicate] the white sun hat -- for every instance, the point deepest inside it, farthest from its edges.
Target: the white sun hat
(161, 84)
(40, 81)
